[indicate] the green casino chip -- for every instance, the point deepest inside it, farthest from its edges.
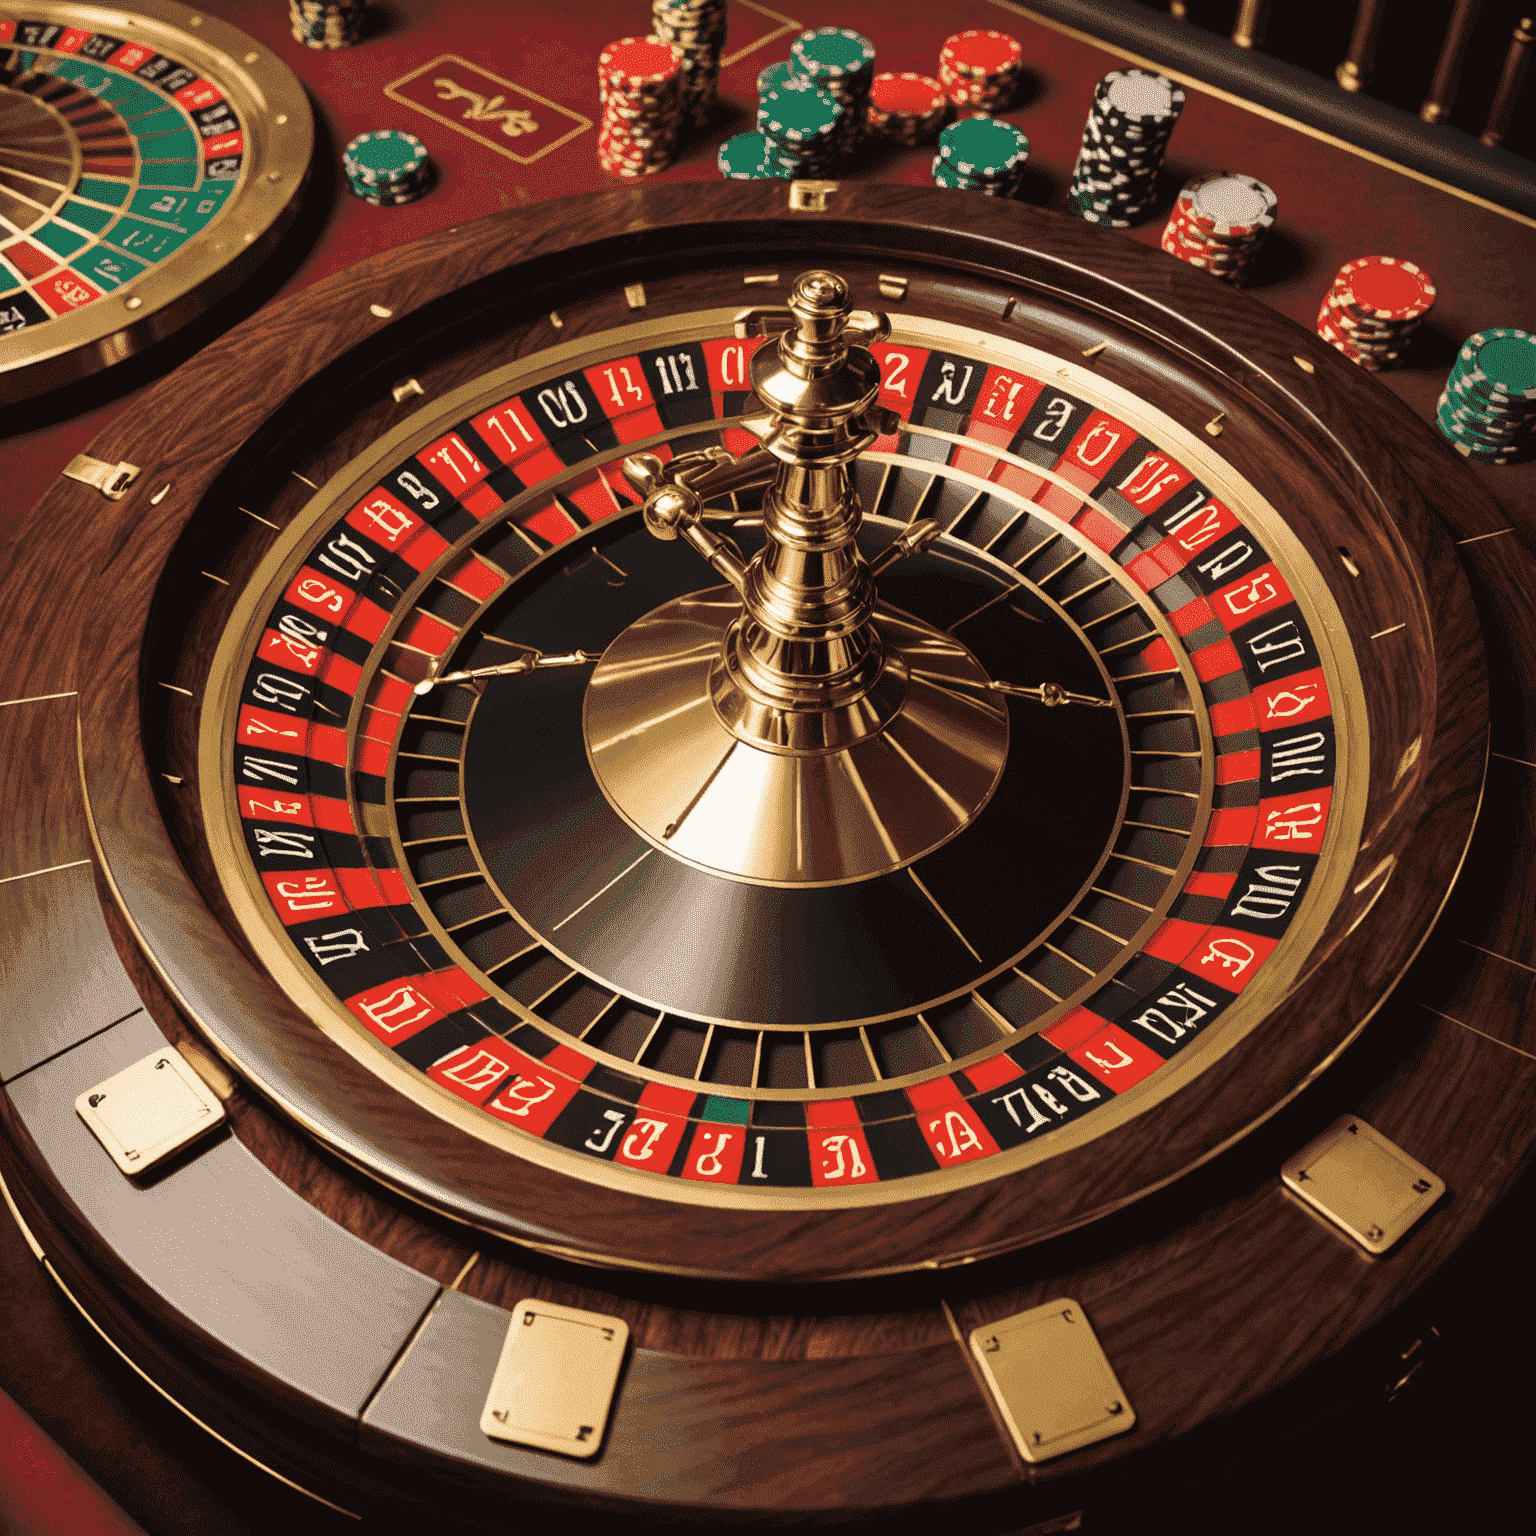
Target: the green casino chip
(798, 114)
(383, 157)
(1506, 359)
(983, 146)
(831, 53)
(748, 157)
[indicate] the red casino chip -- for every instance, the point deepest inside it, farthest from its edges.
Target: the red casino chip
(907, 107)
(640, 83)
(1373, 309)
(1385, 288)
(1370, 357)
(966, 92)
(982, 53)
(906, 95)
(635, 63)
(980, 68)
(1219, 223)
(1228, 204)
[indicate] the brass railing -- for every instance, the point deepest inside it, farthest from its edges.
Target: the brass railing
(1356, 69)
(1178, 35)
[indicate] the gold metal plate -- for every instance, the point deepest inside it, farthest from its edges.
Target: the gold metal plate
(1053, 1383)
(811, 196)
(1362, 1183)
(146, 1112)
(112, 480)
(556, 1378)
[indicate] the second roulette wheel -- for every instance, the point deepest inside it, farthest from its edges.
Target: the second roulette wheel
(756, 772)
(148, 161)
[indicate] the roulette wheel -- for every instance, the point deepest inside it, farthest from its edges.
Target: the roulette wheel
(147, 162)
(813, 958)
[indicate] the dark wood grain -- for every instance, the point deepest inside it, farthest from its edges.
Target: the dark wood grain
(58, 969)
(1204, 1295)
(39, 779)
(366, 1211)
(1488, 919)
(758, 1324)
(706, 1437)
(59, 963)
(279, 1297)
(1501, 568)
(746, 1400)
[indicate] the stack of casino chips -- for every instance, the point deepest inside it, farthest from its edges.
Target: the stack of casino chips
(772, 77)
(802, 126)
(840, 62)
(640, 81)
(753, 156)
(749, 157)
(1488, 410)
(1373, 308)
(331, 24)
(1219, 223)
(697, 29)
(337, 23)
(981, 154)
(980, 68)
(1133, 116)
(387, 167)
(906, 108)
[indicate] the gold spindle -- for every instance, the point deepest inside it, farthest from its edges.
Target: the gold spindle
(1516, 62)
(1360, 63)
(1178, 10)
(1252, 16)
(1442, 90)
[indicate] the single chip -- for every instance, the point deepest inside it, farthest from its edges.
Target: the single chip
(982, 51)
(639, 61)
(772, 77)
(386, 154)
(826, 53)
(984, 145)
(1505, 358)
(911, 94)
(1138, 94)
(1233, 203)
(1385, 287)
(795, 113)
(746, 158)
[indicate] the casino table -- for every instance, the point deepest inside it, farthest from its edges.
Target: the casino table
(621, 1005)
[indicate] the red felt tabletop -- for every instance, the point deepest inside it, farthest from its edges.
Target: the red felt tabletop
(43, 1492)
